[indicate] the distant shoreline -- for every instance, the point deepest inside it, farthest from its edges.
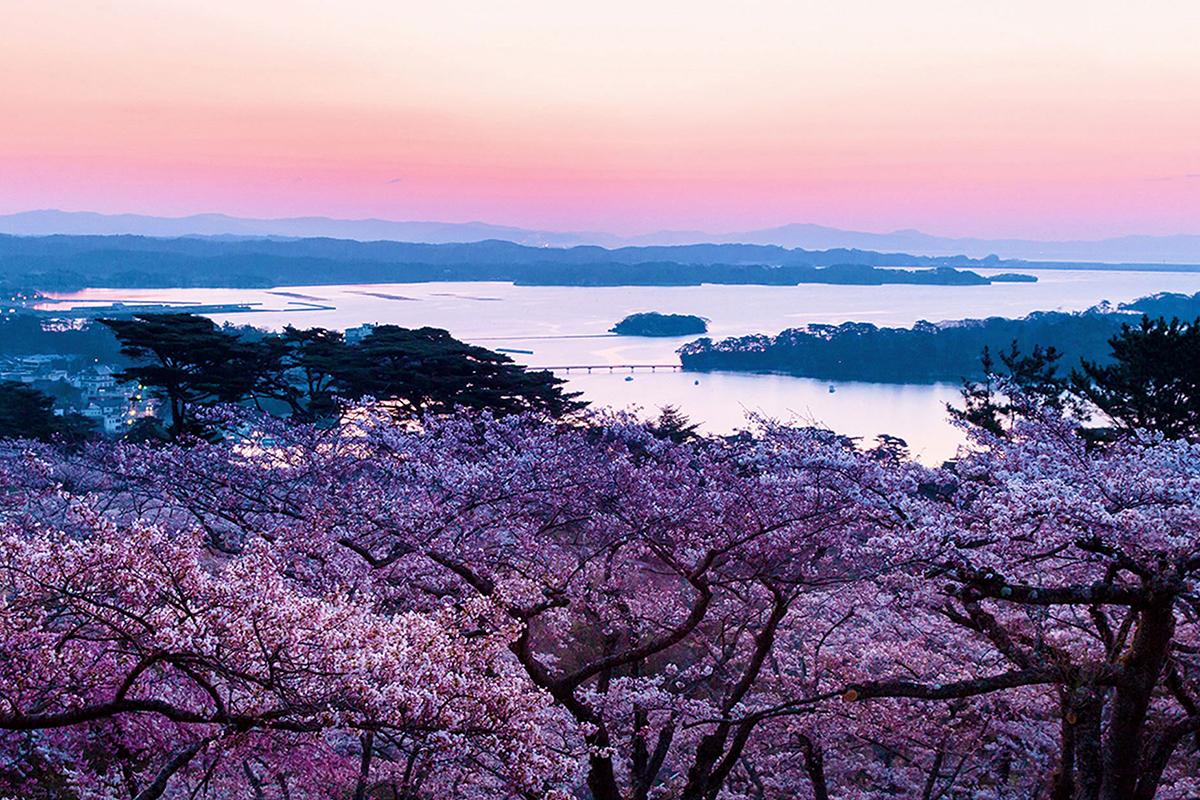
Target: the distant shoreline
(116, 308)
(73, 263)
(69, 263)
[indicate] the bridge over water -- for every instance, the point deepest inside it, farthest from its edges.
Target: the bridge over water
(567, 368)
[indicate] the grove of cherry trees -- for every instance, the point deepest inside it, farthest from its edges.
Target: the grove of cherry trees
(479, 607)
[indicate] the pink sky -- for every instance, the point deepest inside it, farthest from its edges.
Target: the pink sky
(1017, 119)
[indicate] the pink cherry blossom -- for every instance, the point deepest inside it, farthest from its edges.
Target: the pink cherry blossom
(477, 607)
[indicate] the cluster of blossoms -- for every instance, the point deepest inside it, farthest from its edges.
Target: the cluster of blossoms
(479, 607)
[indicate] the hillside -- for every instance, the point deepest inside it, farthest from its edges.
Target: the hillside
(73, 262)
(926, 352)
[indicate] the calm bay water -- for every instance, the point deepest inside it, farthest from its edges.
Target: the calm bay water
(567, 326)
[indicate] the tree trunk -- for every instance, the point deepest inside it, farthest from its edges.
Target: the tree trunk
(1087, 706)
(1131, 699)
(814, 765)
(364, 767)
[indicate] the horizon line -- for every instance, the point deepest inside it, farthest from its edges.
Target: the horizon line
(578, 231)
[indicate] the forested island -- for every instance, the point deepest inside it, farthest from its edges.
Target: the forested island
(652, 323)
(70, 263)
(674, 274)
(927, 352)
(1012, 277)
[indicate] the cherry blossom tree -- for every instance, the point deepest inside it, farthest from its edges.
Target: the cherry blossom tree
(134, 659)
(480, 607)
(1062, 577)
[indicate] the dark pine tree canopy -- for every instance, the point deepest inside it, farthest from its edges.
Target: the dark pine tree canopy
(189, 362)
(1034, 375)
(186, 360)
(1150, 380)
(1153, 380)
(428, 370)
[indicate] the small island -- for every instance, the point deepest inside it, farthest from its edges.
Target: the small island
(652, 323)
(1012, 277)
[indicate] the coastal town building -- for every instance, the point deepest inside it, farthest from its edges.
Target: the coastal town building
(92, 390)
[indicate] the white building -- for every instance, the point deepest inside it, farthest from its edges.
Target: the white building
(358, 334)
(96, 380)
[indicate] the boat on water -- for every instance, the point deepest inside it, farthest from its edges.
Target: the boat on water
(832, 388)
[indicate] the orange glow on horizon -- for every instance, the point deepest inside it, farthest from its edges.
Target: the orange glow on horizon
(1075, 121)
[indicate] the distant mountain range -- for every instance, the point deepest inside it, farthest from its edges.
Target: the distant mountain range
(49, 222)
(1179, 249)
